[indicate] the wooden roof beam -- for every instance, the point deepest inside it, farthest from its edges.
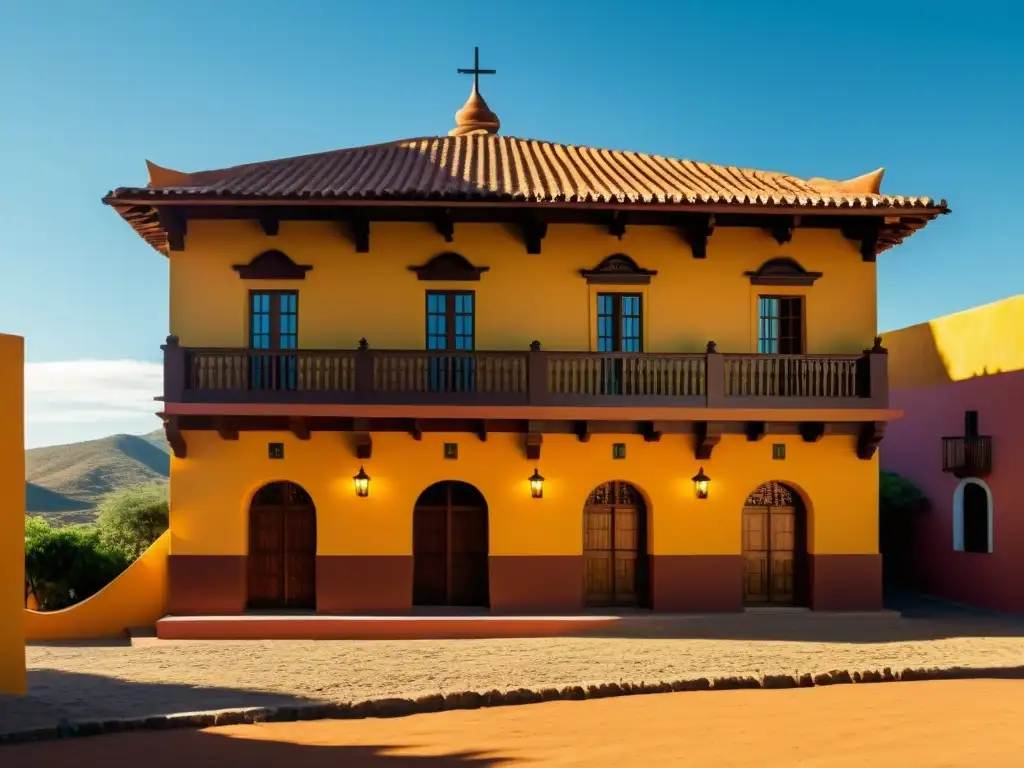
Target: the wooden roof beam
(533, 230)
(696, 231)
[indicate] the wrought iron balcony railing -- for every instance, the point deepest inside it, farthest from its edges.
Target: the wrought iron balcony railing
(967, 456)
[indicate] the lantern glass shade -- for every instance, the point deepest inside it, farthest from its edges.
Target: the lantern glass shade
(536, 485)
(700, 484)
(362, 483)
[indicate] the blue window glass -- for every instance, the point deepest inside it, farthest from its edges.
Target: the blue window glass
(780, 328)
(451, 328)
(273, 326)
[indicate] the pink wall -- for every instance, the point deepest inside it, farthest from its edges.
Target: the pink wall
(913, 448)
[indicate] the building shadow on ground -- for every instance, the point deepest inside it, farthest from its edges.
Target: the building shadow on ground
(908, 617)
(174, 749)
(54, 695)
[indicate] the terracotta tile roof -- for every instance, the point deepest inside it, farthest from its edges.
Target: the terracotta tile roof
(492, 168)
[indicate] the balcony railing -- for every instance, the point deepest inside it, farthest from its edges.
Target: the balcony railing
(535, 378)
(967, 456)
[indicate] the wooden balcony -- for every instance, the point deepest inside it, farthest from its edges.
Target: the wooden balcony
(967, 456)
(367, 376)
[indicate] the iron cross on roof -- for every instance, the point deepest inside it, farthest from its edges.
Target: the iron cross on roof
(476, 71)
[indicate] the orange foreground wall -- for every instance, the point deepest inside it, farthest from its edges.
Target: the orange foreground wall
(12, 514)
(136, 598)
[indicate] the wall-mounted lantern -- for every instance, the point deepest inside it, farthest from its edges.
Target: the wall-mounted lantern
(700, 484)
(536, 484)
(362, 483)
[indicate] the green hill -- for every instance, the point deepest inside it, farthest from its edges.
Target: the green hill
(64, 482)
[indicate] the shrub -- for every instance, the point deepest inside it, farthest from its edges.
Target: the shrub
(66, 565)
(133, 518)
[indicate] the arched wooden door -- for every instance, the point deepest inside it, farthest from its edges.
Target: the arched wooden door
(615, 546)
(774, 547)
(450, 547)
(282, 548)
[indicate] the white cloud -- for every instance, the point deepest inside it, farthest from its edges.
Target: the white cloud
(90, 397)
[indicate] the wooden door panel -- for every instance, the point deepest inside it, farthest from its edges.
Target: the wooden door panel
(450, 548)
(469, 561)
(782, 591)
(771, 552)
(469, 581)
(755, 577)
(469, 531)
(598, 578)
(430, 556)
(282, 548)
(625, 530)
(783, 529)
(755, 530)
(266, 557)
(597, 532)
(430, 531)
(614, 545)
(625, 578)
(300, 557)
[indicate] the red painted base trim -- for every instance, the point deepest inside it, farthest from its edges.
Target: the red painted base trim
(846, 582)
(199, 585)
(696, 583)
(536, 584)
(363, 584)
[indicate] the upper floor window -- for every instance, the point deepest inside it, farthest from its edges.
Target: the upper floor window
(450, 320)
(273, 320)
(273, 326)
(451, 328)
(619, 322)
(972, 516)
(780, 328)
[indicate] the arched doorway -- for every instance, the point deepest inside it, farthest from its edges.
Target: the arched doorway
(450, 547)
(282, 548)
(774, 547)
(972, 516)
(615, 546)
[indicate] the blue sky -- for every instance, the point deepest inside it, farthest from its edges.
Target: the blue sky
(91, 90)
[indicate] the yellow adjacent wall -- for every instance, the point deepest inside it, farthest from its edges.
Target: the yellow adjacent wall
(349, 295)
(979, 341)
(136, 598)
(12, 514)
(211, 490)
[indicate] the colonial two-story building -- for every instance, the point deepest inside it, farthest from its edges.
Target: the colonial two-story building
(482, 371)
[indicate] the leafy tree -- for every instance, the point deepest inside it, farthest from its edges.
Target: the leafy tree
(899, 502)
(66, 565)
(897, 495)
(36, 526)
(133, 518)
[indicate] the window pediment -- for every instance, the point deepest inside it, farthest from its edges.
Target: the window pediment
(618, 269)
(782, 271)
(272, 265)
(449, 266)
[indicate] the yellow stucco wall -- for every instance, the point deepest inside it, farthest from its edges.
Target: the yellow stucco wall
(12, 514)
(136, 598)
(211, 490)
(350, 295)
(979, 341)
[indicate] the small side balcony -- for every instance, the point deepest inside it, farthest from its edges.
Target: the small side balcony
(967, 456)
(534, 377)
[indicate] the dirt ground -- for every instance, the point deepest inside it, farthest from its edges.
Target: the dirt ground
(949, 723)
(97, 682)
